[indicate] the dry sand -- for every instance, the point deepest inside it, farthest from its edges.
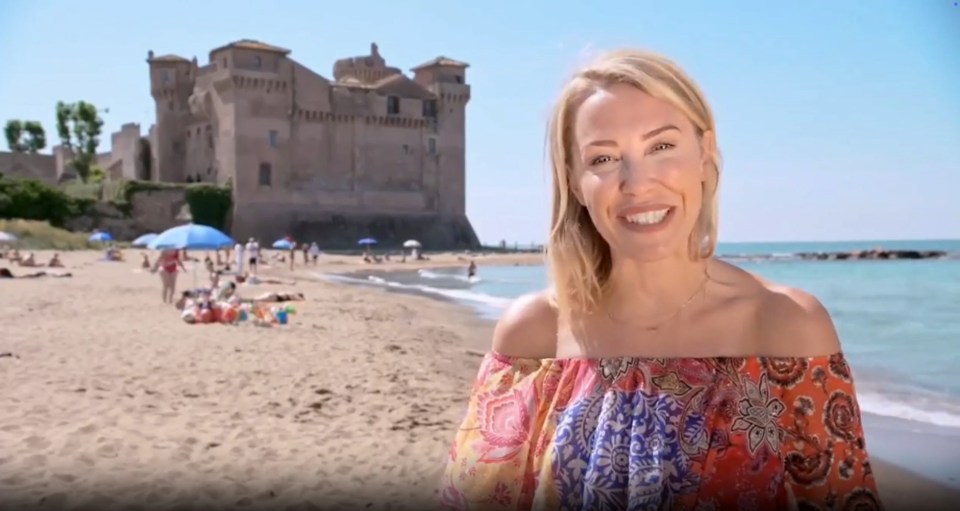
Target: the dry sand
(108, 398)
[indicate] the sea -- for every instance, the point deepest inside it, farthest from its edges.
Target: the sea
(899, 323)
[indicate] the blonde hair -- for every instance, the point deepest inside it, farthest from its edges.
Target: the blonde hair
(578, 256)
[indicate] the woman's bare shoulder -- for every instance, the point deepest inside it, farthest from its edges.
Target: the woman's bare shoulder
(793, 322)
(786, 321)
(528, 327)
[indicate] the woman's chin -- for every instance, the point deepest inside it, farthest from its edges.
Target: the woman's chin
(648, 250)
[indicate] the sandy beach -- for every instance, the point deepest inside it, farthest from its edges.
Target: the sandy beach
(110, 400)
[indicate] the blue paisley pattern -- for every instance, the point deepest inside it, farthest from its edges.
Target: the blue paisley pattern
(620, 450)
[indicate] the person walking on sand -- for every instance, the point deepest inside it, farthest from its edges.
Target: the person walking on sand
(168, 263)
(253, 255)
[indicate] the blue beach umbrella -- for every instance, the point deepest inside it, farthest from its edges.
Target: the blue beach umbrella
(191, 237)
(6, 237)
(367, 242)
(144, 240)
(283, 244)
(100, 237)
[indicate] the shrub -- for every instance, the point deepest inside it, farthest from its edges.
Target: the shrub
(209, 204)
(32, 200)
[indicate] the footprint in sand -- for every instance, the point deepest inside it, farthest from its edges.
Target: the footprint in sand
(37, 442)
(86, 430)
(107, 451)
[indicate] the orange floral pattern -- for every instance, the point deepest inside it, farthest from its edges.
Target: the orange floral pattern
(753, 433)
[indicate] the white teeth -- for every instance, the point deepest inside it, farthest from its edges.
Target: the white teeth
(649, 217)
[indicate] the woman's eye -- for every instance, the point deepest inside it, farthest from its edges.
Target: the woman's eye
(662, 146)
(600, 160)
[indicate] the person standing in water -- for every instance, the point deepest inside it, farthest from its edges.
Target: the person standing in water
(471, 270)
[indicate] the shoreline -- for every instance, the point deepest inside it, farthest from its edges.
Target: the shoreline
(895, 464)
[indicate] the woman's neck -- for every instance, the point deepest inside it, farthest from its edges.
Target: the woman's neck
(650, 289)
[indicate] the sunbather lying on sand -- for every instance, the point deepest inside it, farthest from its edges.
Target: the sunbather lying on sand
(276, 297)
(254, 279)
(7, 274)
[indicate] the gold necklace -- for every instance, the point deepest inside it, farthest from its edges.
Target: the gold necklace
(658, 326)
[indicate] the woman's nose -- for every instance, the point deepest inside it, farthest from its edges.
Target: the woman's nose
(635, 174)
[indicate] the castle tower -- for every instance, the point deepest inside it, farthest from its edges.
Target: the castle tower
(171, 82)
(255, 88)
(446, 78)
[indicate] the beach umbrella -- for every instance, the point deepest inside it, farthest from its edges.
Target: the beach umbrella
(367, 241)
(191, 237)
(144, 240)
(100, 237)
(411, 244)
(6, 237)
(283, 244)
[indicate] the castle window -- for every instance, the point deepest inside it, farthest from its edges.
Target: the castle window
(393, 105)
(429, 108)
(432, 145)
(223, 62)
(210, 140)
(257, 62)
(273, 135)
(166, 77)
(266, 174)
(458, 79)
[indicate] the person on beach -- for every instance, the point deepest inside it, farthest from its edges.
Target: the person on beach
(652, 375)
(238, 257)
(253, 255)
(168, 262)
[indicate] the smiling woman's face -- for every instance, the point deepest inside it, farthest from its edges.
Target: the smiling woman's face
(639, 172)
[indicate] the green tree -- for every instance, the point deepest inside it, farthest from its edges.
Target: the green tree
(79, 126)
(25, 136)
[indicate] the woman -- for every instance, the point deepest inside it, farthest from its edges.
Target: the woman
(652, 375)
(168, 262)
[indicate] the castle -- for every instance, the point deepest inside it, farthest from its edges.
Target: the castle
(371, 152)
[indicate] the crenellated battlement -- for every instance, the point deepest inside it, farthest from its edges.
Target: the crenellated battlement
(393, 121)
(266, 85)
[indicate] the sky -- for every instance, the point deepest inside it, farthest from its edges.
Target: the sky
(836, 120)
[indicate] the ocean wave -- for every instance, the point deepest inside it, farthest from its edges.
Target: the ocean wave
(460, 295)
(432, 275)
(912, 409)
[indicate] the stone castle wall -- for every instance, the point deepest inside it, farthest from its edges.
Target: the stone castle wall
(149, 211)
(42, 167)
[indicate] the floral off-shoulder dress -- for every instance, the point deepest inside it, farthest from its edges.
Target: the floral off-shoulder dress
(756, 433)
